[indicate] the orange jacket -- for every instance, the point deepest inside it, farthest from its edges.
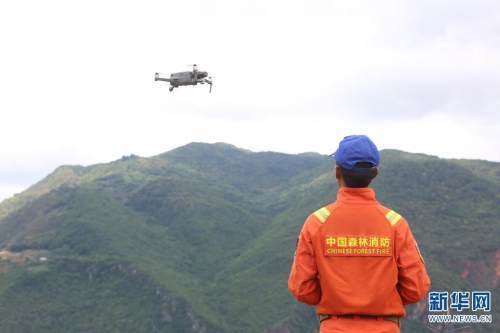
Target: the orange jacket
(355, 256)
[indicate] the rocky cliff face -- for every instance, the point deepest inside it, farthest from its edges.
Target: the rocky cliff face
(483, 272)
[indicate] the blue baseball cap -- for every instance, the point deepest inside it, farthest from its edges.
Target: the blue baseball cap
(354, 149)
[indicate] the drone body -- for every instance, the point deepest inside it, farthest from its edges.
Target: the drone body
(191, 78)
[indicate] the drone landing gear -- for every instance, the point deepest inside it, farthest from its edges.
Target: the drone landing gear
(170, 89)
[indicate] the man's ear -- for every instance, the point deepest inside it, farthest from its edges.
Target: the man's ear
(338, 173)
(375, 173)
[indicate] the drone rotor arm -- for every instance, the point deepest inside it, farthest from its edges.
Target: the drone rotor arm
(158, 77)
(209, 81)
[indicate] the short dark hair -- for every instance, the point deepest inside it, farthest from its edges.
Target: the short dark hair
(358, 180)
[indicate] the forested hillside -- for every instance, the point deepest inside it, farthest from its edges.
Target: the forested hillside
(201, 238)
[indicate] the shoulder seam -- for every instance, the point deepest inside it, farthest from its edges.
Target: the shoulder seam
(391, 216)
(323, 213)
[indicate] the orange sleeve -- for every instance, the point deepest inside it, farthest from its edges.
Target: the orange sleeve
(413, 280)
(303, 281)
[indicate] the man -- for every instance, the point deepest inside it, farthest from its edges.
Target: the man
(357, 260)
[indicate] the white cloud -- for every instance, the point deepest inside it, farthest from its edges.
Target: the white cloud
(77, 78)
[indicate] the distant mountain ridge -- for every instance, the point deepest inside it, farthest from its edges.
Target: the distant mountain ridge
(200, 239)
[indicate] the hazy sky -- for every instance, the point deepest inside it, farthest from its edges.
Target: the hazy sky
(76, 78)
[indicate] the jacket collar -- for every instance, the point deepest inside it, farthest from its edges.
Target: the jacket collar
(356, 195)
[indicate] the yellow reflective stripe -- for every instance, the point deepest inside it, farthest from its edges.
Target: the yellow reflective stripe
(322, 214)
(393, 217)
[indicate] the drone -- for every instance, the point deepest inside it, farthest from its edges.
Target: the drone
(191, 78)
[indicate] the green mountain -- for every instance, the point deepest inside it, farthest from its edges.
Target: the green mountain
(200, 239)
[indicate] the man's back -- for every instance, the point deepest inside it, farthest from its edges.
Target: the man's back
(356, 244)
(356, 260)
